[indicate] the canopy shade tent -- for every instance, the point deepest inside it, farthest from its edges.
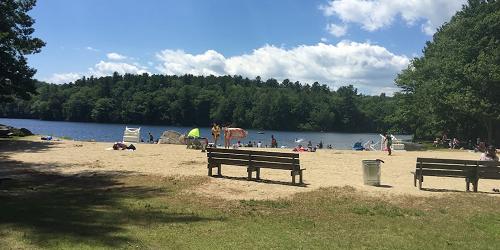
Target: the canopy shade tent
(194, 133)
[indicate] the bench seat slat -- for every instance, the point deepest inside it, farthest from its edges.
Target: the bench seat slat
(491, 176)
(228, 162)
(445, 166)
(488, 169)
(276, 165)
(275, 159)
(447, 173)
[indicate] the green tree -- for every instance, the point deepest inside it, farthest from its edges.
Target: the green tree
(455, 86)
(16, 42)
(103, 111)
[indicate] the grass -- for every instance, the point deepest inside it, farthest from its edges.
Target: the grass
(108, 211)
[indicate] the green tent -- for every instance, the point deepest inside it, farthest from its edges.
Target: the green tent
(195, 133)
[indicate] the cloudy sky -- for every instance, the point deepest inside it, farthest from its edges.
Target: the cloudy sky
(335, 42)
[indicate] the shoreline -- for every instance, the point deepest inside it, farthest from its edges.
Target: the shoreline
(114, 132)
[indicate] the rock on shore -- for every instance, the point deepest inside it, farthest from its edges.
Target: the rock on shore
(6, 131)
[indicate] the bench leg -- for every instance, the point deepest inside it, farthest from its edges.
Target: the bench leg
(293, 177)
(209, 170)
(219, 170)
(300, 177)
(249, 174)
(467, 184)
(415, 179)
(420, 180)
(475, 184)
(258, 174)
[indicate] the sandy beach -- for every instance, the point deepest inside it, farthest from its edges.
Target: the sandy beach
(324, 168)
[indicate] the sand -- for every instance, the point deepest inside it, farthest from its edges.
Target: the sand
(325, 168)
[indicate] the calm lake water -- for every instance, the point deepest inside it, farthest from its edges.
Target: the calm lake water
(114, 132)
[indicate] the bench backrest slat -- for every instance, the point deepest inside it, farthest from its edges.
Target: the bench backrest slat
(259, 164)
(229, 156)
(446, 161)
(253, 152)
(489, 163)
(445, 166)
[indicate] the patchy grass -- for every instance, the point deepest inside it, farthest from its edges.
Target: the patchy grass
(113, 210)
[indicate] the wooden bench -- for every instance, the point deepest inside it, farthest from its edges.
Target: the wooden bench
(471, 171)
(446, 168)
(254, 161)
(487, 170)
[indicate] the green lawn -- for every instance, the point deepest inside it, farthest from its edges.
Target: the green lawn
(125, 211)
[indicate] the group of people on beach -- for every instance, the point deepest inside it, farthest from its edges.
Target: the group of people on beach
(455, 143)
(445, 142)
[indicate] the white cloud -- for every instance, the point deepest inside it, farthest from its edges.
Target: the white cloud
(104, 68)
(115, 56)
(367, 66)
(336, 30)
(91, 49)
(176, 62)
(63, 78)
(376, 14)
(324, 39)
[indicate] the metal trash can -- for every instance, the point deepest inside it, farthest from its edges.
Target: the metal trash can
(371, 172)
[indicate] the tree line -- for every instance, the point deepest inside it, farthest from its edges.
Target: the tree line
(200, 100)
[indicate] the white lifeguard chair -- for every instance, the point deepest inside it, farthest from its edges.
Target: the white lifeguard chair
(132, 135)
(396, 143)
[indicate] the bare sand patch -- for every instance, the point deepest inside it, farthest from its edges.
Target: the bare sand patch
(325, 168)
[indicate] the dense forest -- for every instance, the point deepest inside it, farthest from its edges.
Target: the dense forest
(200, 100)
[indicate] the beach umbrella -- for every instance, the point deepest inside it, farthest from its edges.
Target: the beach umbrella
(195, 133)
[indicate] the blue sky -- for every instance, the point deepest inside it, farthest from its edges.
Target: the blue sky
(359, 42)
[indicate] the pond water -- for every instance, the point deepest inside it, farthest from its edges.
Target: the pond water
(114, 132)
